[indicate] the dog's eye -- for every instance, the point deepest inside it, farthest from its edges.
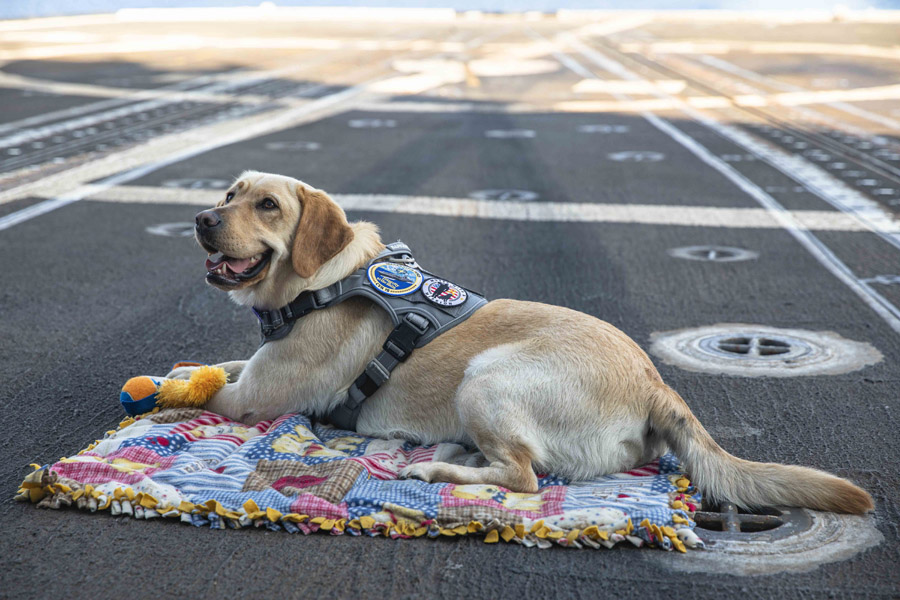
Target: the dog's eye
(267, 204)
(229, 197)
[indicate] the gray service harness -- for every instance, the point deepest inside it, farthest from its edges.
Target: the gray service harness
(430, 307)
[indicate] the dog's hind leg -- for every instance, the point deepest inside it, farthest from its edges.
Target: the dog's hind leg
(509, 467)
(490, 413)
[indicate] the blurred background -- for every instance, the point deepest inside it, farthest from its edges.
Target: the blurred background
(18, 9)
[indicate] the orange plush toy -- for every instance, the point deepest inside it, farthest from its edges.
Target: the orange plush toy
(144, 393)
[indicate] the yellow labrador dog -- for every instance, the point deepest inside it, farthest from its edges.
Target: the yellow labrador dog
(533, 386)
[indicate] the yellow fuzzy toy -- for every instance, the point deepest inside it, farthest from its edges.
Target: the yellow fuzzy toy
(141, 394)
(196, 391)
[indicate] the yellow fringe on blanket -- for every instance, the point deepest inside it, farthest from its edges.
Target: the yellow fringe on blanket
(42, 487)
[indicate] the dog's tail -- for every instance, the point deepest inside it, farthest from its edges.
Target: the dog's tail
(721, 476)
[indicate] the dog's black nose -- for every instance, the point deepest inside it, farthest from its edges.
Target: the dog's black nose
(207, 219)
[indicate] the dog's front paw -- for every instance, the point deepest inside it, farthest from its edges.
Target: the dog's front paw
(181, 373)
(416, 471)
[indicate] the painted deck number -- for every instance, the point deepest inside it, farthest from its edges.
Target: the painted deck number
(636, 156)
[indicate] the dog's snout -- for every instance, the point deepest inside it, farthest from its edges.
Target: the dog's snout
(207, 219)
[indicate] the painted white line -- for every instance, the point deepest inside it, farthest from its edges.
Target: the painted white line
(275, 123)
(792, 99)
(141, 159)
(445, 107)
(611, 86)
(66, 113)
(726, 46)
(158, 147)
(609, 24)
(35, 210)
(180, 43)
(99, 91)
(718, 16)
(817, 180)
(56, 22)
(878, 303)
(513, 210)
(881, 305)
(270, 12)
(724, 65)
(36, 133)
(121, 96)
(76, 111)
(213, 93)
(884, 92)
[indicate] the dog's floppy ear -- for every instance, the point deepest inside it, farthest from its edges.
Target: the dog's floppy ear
(323, 231)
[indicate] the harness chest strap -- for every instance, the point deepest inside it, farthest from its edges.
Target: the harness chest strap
(416, 322)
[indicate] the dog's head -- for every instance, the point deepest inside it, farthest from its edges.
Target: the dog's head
(267, 230)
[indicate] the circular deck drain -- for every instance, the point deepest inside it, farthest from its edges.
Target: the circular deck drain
(172, 229)
(603, 128)
(636, 156)
(761, 351)
(713, 253)
(296, 145)
(728, 522)
(805, 540)
(371, 123)
(508, 195)
(509, 133)
(197, 184)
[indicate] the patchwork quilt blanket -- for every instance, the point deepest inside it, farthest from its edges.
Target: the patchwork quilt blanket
(295, 475)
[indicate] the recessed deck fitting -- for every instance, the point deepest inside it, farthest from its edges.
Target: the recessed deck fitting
(713, 253)
(761, 351)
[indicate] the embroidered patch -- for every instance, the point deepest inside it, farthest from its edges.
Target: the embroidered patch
(393, 279)
(444, 293)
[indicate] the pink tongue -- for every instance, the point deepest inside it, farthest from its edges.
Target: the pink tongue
(237, 265)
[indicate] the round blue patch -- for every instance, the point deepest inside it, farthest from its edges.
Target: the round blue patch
(392, 279)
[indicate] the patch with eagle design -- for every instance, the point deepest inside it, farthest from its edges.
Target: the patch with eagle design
(443, 292)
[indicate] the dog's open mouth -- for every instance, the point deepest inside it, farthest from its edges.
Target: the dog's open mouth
(229, 270)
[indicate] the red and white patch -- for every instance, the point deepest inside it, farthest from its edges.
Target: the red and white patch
(444, 293)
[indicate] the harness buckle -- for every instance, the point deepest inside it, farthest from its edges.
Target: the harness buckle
(377, 372)
(266, 320)
(320, 298)
(275, 319)
(402, 340)
(418, 322)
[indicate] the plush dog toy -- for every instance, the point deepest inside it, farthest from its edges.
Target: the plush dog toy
(144, 393)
